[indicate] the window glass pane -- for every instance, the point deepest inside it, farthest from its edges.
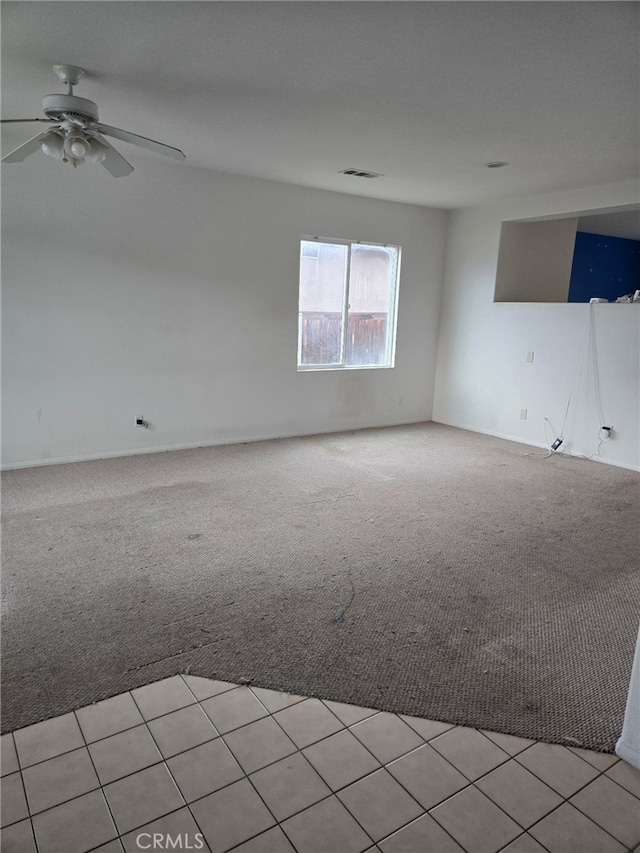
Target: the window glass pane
(320, 338)
(372, 285)
(366, 339)
(371, 282)
(323, 269)
(322, 278)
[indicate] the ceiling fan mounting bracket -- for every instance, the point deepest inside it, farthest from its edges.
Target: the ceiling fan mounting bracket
(69, 74)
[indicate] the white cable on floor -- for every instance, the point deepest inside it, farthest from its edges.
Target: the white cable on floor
(589, 347)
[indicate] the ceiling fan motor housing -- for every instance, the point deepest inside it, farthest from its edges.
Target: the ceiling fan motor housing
(59, 107)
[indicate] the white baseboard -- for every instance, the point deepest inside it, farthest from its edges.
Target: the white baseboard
(519, 440)
(138, 451)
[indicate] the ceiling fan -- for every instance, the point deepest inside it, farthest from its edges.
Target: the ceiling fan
(76, 135)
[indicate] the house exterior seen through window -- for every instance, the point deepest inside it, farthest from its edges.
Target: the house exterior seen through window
(348, 304)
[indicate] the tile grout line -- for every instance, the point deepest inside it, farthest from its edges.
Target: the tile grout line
(218, 735)
(24, 791)
(577, 808)
(509, 758)
(344, 727)
(298, 751)
(376, 711)
(613, 764)
(26, 799)
(246, 775)
(420, 817)
(101, 789)
(470, 783)
(199, 703)
(97, 740)
(164, 760)
(382, 766)
(565, 801)
(333, 792)
(611, 779)
(523, 835)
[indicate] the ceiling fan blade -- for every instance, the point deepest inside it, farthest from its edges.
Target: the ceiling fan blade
(26, 149)
(29, 120)
(114, 162)
(142, 141)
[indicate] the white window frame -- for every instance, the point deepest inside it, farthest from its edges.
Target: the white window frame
(393, 311)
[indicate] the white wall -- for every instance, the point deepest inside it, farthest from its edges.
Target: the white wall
(172, 294)
(628, 745)
(483, 380)
(534, 260)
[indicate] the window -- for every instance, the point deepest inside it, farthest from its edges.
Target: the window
(347, 306)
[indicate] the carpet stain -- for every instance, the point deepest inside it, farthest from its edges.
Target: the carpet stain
(406, 572)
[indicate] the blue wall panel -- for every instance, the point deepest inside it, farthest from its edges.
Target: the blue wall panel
(605, 267)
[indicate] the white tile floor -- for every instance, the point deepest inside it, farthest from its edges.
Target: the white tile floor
(193, 764)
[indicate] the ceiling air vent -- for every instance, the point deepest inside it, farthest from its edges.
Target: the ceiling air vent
(360, 173)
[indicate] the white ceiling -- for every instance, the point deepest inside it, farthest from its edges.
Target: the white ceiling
(625, 224)
(423, 92)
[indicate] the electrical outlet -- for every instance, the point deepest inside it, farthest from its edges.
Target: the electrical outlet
(523, 414)
(530, 356)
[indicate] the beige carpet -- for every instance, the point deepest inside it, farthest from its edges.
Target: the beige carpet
(419, 569)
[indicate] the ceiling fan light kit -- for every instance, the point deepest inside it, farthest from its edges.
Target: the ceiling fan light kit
(52, 144)
(77, 135)
(97, 151)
